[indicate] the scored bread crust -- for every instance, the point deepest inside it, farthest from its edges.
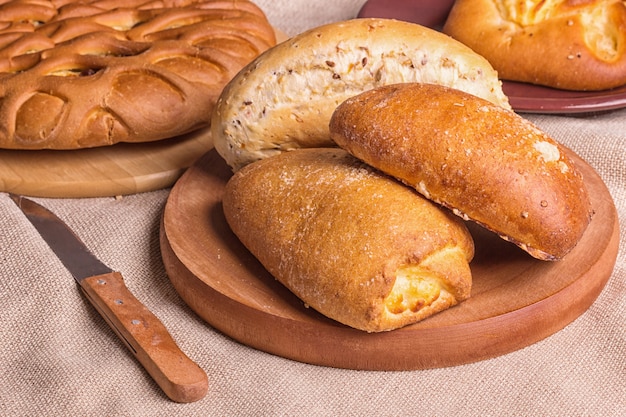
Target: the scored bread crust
(284, 99)
(80, 74)
(566, 44)
(349, 241)
(485, 163)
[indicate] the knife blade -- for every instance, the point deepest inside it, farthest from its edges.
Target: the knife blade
(181, 379)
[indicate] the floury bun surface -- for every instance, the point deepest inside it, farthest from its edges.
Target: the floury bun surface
(349, 241)
(284, 99)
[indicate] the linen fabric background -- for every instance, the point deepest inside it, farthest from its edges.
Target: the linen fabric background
(59, 358)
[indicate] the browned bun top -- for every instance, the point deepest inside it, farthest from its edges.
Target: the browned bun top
(484, 162)
(566, 44)
(78, 74)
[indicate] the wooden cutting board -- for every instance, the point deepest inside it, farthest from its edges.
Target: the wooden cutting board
(121, 169)
(516, 300)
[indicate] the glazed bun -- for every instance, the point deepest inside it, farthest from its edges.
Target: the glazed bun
(485, 163)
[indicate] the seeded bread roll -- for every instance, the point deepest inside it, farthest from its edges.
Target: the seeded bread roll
(79, 74)
(284, 99)
(352, 243)
(566, 44)
(484, 162)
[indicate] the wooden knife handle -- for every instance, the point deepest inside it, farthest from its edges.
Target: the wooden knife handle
(144, 334)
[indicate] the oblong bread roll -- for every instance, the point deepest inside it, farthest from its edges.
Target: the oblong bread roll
(349, 241)
(484, 162)
(284, 99)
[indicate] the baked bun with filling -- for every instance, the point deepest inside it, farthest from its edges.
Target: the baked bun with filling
(349, 241)
(565, 44)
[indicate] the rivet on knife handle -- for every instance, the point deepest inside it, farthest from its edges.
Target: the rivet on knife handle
(181, 379)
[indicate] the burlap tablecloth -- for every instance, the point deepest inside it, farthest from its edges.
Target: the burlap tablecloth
(59, 358)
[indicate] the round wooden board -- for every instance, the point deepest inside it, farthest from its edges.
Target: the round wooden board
(121, 169)
(516, 300)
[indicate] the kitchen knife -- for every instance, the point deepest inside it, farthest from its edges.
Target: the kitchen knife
(142, 332)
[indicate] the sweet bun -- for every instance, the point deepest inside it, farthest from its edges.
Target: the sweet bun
(80, 74)
(284, 99)
(485, 163)
(566, 44)
(349, 241)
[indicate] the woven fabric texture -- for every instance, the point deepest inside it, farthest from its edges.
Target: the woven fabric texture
(59, 358)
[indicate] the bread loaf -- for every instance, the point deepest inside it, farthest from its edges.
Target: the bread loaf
(350, 242)
(484, 162)
(566, 44)
(284, 99)
(80, 74)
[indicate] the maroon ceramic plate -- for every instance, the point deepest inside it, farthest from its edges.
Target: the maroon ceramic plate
(523, 97)
(537, 99)
(430, 13)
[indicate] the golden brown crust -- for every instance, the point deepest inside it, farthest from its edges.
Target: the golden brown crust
(78, 74)
(485, 163)
(284, 99)
(566, 44)
(344, 237)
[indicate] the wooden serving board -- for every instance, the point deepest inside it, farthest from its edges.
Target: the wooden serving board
(516, 300)
(121, 169)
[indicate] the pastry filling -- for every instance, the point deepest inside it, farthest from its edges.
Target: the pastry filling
(601, 34)
(414, 289)
(528, 12)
